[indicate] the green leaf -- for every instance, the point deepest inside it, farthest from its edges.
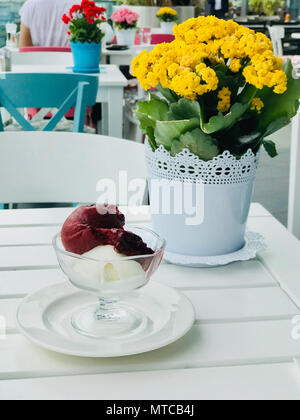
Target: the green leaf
(147, 125)
(198, 143)
(156, 108)
(176, 147)
(220, 68)
(276, 125)
(281, 108)
(221, 122)
(168, 94)
(247, 94)
(270, 148)
(250, 138)
(227, 79)
(167, 131)
(148, 112)
(184, 109)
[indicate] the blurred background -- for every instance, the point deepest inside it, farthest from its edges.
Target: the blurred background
(248, 11)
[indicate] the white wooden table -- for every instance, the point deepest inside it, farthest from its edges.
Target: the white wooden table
(240, 347)
(124, 57)
(110, 93)
(119, 58)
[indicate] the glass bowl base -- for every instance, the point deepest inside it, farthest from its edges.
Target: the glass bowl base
(118, 323)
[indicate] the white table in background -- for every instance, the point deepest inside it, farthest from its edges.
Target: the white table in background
(241, 346)
(110, 93)
(118, 58)
(124, 57)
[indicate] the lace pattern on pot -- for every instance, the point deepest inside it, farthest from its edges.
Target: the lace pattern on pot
(224, 169)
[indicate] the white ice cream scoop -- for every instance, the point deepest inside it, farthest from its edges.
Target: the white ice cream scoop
(105, 267)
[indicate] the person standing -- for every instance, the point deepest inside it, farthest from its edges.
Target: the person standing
(219, 8)
(41, 23)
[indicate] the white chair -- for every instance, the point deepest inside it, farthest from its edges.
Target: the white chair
(277, 35)
(42, 58)
(294, 188)
(58, 167)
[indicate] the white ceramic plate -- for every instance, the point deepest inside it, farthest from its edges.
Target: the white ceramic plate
(45, 318)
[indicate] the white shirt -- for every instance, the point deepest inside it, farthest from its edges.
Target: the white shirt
(43, 18)
(218, 5)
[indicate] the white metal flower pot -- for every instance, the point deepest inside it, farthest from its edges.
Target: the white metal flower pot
(221, 191)
(167, 27)
(125, 36)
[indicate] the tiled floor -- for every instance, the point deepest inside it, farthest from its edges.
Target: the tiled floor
(271, 188)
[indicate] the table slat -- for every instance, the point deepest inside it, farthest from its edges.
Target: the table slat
(56, 216)
(18, 257)
(40, 235)
(227, 383)
(33, 217)
(207, 345)
(241, 274)
(281, 256)
(212, 306)
(22, 282)
(241, 304)
(19, 236)
(8, 308)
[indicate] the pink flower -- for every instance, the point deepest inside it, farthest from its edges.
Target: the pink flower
(131, 18)
(125, 15)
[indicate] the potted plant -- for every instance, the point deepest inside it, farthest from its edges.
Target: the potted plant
(167, 17)
(223, 92)
(85, 23)
(125, 23)
(265, 7)
(147, 10)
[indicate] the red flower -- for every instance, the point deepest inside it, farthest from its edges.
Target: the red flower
(66, 19)
(74, 9)
(87, 3)
(101, 10)
(91, 14)
(95, 11)
(90, 10)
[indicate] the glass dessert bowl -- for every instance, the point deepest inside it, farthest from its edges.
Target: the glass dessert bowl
(110, 276)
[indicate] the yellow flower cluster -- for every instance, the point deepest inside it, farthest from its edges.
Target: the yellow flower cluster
(235, 65)
(179, 73)
(266, 70)
(166, 11)
(186, 65)
(224, 99)
(257, 104)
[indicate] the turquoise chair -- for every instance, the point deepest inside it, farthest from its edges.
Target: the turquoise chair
(47, 90)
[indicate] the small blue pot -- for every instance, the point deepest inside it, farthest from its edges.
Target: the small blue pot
(86, 57)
